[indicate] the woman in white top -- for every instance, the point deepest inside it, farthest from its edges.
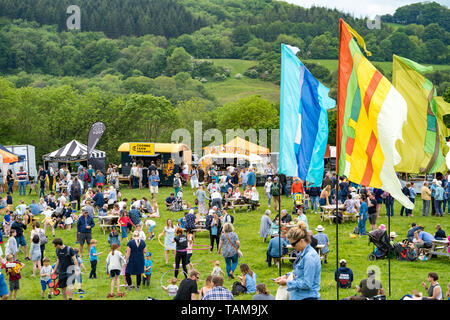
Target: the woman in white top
(255, 198)
(42, 205)
(169, 244)
(155, 212)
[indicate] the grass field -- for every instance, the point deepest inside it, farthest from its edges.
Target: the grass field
(234, 89)
(405, 276)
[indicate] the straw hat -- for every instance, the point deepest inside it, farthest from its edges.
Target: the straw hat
(320, 228)
(393, 234)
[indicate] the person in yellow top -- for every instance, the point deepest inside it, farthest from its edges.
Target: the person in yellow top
(426, 199)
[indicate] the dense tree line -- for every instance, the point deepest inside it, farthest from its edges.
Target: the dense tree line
(50, 117)
(113, 17)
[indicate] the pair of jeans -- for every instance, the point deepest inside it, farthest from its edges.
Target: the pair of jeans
(409, 211)
(362, 226)
(445, 202)
(389, 208)
(213, 238)
(147, 279)
(285, 190)
(10, 187)
(93, 273)
(22, 186)
(269, 259)
(231, 263)
(314, 203)
(438, 207)
(50, 183)
(269, 196)
(180, 256)
(425, 207)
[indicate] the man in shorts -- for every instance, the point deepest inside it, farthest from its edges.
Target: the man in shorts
(194, 179)
(84, 230)
(153, 180)
(66, 267)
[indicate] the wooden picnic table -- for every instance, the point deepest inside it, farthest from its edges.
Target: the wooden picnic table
(239, 203)
(319, 248)
(440, 248)
(103, 222)
(329, 210)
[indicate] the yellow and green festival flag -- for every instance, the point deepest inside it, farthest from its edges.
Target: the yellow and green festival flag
(424, 144)
(371, 114)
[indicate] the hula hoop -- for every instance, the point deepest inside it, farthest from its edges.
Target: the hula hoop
(201, 246)
(160, 281)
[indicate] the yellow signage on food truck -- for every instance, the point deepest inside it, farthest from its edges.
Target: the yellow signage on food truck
(142, 149)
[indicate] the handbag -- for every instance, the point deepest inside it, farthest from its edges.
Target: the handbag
(239, 252)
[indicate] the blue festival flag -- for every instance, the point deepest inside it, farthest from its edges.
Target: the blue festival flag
(304, 102)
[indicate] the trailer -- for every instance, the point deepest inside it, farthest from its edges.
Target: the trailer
(29, 163)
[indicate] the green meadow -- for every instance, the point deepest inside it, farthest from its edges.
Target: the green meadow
(405, 276)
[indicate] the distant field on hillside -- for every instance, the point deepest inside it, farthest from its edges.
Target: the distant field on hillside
(234, 89)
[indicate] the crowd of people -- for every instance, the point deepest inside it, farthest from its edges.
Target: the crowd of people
(86, 198)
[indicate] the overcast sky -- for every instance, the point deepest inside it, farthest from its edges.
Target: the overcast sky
(369, 8)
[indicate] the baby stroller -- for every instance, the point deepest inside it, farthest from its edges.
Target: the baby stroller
(298, 202)
(383, 247)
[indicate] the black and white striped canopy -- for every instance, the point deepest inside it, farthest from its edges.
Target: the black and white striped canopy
(73, 151)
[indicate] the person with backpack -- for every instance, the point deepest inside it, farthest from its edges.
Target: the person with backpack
(42, 237)
(66, 266)
(76, 191)
(275, 193)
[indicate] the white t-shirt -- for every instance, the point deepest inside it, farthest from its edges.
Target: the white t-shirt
(185, 169)
(134, 171)
(150, 223)
(172, 289)
(122, 205)
(267, 187)
(47, 214)
(137, 204)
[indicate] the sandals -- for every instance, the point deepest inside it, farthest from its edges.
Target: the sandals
(110, 295)
(120, 294)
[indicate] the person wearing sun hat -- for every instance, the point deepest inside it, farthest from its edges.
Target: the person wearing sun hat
(322, 239)
(392, 237)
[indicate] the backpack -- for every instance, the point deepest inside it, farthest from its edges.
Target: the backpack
(238, 289)
(42, 238)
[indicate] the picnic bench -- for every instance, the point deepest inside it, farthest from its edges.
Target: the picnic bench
(439, 248)
(329, 212)
(239, 203)
(104, 222)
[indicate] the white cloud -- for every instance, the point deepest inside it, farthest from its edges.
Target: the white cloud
(361, 8)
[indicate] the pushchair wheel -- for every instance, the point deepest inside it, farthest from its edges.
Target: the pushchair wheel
(372, 257)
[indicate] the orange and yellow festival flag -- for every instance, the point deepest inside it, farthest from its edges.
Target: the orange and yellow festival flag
(371, 114)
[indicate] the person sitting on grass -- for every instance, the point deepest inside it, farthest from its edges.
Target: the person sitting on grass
(248, 278)
(370, 287)
(262, 293)
(343, 276)
(440, 233)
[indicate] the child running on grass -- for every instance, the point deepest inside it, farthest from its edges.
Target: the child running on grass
(46, 277)
(35, 254)
(114, 265)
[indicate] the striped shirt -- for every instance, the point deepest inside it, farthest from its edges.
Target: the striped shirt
(22, 175)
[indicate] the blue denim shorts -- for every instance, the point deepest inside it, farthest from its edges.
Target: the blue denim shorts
(21, 241)
(44, 284)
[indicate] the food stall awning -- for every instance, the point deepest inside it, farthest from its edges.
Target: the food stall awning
(248, 146)
(159, 147)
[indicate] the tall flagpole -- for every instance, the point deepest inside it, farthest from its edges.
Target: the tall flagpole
(279, 223)
(337, 232)
(389, 255)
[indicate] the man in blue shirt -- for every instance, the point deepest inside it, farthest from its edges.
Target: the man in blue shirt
(169, 201)
(34, 208)
(135, 216)
(84, 230)
(154, 182)
(423, 240)
(273, 250)
(98, 198)
(251, 179)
